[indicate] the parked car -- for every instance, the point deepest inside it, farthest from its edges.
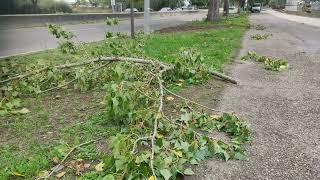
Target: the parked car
(165, 9)
(256, 7)
(177, 9)
(128, 10)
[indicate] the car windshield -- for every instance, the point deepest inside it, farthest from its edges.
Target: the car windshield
(256, 5)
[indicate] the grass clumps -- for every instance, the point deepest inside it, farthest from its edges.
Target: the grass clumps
(270, 63)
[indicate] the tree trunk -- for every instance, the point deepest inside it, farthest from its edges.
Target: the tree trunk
(226, 7)
(241, 4)
(34, 5)
(213, 12)
(132, 18)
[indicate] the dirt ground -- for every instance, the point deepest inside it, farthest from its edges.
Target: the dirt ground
(283, 108)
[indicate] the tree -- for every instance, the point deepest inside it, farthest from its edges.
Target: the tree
(213, 11)
(94, 3)
(226, 7)
(200, 3)
(34, 5)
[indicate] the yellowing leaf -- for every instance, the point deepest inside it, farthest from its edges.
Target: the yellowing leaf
(215, 116)
(178, 153)
(17, 174)
(160, 136)
(43, 174)
(56, 160)
(170, 98)
(151, 178)
(60, 175)
(179, 84)
(99, 167)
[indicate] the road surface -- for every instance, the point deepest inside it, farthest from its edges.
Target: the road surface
(283, 108)
(26, 40)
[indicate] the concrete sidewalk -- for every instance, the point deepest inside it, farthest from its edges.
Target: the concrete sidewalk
(299, 19)
(283, 108)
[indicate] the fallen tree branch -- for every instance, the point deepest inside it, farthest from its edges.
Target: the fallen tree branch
(101, 59)
(222, 76)
(66, 84)
(66, 156)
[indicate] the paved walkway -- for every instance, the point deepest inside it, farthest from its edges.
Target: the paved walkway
(283, 108)
(300, 19)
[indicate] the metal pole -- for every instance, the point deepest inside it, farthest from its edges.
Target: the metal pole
(132, 18)
(146, 16)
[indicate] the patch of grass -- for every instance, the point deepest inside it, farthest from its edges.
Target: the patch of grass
(55, 125)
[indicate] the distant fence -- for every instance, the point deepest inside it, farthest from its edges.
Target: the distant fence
(33, 20)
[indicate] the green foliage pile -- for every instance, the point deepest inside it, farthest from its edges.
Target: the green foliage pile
(260, 27)
(260, 36)
(273, 64)
(149, 142)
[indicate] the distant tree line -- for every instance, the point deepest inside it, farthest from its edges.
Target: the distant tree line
(154, 4)
(33, 7)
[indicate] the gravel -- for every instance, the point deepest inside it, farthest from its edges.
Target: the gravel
(283, 108)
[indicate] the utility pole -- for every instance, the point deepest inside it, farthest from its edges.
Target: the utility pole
(146, 16)
(132, 18)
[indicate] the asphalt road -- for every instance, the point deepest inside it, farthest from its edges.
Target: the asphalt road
(26, 40)
(283, 108)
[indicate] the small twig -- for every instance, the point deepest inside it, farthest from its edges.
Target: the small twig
(66, 156)
(136, 142)
(222, 76)
(191, 101)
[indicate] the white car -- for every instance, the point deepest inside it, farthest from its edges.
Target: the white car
(165, 9)
(128, 10)
(256, 7)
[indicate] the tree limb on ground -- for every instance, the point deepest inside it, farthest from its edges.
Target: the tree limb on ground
(111, 59)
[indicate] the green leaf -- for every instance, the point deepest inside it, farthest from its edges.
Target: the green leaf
(188, 172)
(240, 156)
(120, 164)
(186, 117)
(166, 173)
(194, 162)
(109, 177)
(226, 155)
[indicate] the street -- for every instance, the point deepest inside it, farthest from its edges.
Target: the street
(26, 40)
(282, 108)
